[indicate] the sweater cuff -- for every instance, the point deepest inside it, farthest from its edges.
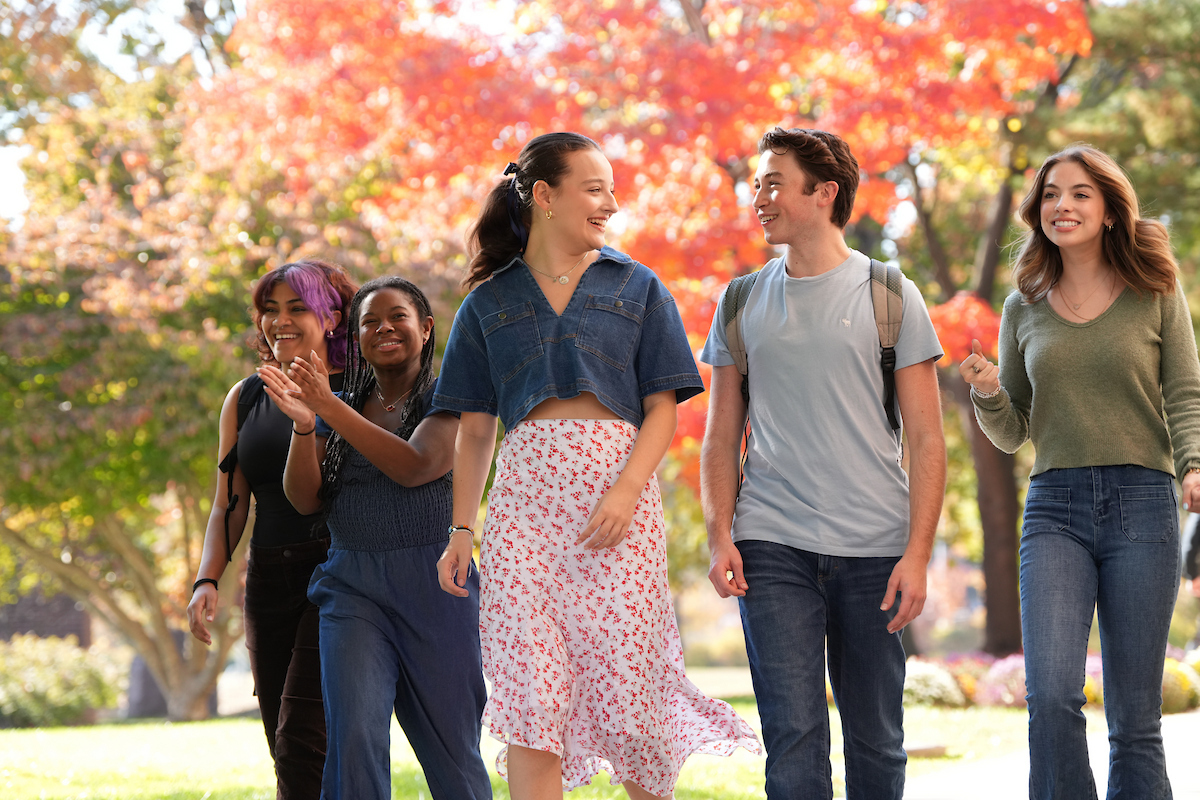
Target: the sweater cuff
(997, 403)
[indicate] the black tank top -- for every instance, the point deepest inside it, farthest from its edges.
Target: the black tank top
(262, 449)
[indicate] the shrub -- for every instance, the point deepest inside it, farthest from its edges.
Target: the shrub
(1180, 688)
(1004, 683)
(930, 684)
(1093, 682)
(51, 681)
(968, 669)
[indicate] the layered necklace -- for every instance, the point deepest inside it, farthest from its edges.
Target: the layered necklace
(1076, 306)
(560, 278)
(390, 406)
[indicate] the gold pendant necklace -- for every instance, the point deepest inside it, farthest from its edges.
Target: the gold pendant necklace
(559, 278)
(384, 403)
(1062, 290)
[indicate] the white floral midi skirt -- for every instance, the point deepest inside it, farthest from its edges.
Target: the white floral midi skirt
(581, 646)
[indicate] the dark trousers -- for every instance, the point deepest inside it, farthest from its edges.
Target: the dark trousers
(282, 637)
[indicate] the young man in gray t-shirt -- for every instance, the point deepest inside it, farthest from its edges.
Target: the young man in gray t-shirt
(830, 542)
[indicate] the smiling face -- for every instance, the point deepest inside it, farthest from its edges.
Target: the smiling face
(1073, 211)
(291, 327)
(787, 200)
(391, 332)
(583, 202)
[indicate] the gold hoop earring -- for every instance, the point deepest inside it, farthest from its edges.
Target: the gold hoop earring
(549, 214)
(1110, 227)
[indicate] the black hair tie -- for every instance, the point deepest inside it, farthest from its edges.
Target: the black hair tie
(514, 206)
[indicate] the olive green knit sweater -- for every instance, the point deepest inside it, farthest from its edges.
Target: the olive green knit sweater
(1102, 392)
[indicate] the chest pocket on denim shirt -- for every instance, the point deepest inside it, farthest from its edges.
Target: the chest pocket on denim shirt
(610, 328)
(512, 339)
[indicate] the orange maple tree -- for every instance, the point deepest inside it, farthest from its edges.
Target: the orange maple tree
(409, 111)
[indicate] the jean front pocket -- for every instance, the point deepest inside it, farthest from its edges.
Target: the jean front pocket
(610, 328)
(1047, 509)
(513, 339)
(1148, 513)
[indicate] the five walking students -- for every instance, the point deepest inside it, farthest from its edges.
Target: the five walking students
(580, 351)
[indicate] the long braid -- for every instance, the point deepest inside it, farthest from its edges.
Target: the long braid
(359, 382)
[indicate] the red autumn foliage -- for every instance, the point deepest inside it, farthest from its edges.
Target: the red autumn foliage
(959, 320)
(411, 110)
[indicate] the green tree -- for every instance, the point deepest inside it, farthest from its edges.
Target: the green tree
(112, 374)
(1133, 94)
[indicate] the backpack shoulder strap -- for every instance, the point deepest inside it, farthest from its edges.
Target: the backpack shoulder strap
(736, 295)
(248, 394)
(252, 387)
(732, 306)
(888, 304)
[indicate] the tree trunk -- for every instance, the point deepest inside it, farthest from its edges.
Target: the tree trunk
(996, 486)
(998, 510)
(189, 702)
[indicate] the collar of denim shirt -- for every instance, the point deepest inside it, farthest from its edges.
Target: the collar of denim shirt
(606, 254)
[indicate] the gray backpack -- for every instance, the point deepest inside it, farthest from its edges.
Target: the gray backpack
(889, 313)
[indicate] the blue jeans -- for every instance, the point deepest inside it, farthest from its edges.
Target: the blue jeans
(799, 604)
(1103, 539)
(391, 639)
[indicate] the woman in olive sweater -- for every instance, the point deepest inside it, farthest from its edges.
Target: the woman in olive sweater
(1098, 368)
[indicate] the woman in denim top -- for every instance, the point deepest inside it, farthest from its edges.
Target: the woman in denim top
(582, 354)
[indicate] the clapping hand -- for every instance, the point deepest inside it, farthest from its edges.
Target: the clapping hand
(312, 379)
(303, 393)
(983, 375)
(286, 394)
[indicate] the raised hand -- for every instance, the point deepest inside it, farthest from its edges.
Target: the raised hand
(286, 394)
(983, 375)
(311, 378)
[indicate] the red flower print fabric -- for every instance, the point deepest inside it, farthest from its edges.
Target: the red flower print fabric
(581, 646)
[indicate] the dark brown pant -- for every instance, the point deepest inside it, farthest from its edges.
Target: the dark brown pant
(282, 637)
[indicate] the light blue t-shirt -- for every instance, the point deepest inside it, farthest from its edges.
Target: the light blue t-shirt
(823, 472)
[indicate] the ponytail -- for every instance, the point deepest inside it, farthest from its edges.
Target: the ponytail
(502, 230)
(492, 240)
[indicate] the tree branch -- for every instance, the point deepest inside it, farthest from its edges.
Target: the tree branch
(937, 253)
(81, 586)
(691, 12)
(987, 256)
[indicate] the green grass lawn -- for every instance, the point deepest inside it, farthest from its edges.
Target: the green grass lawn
(228, 759)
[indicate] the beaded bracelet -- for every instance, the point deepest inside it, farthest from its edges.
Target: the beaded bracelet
(986, 395)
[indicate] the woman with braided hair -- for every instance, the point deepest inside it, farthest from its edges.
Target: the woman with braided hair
(391, 638)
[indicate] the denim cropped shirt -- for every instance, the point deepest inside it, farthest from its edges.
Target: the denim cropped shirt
(620, 337)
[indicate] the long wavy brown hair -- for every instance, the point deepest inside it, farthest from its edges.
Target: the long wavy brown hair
(1138, 249)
